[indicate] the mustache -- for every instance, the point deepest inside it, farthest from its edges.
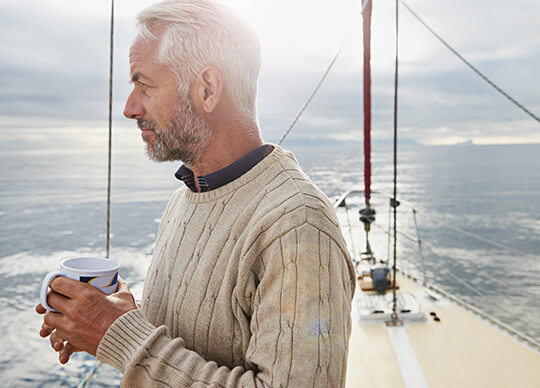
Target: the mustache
(142, 123)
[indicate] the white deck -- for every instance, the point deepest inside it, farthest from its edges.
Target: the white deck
(459, 351)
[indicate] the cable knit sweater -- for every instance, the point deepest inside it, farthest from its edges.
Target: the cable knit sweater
(250, 286)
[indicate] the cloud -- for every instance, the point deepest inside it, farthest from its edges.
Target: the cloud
(54, 67)
(51, 62)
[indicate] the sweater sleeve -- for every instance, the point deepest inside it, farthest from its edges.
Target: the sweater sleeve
(300, 326)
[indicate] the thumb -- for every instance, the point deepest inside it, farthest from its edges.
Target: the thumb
(122, 285)
(125, 294)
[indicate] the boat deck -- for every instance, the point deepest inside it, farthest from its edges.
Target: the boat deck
(460, 350)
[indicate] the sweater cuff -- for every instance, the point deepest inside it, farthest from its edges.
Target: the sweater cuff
(124, 339)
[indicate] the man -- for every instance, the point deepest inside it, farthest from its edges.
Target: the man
(250, 283)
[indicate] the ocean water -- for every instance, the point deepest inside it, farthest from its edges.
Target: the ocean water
(477, 212)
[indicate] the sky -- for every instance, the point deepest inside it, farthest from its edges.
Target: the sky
(54, 58)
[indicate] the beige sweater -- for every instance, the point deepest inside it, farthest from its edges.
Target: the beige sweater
(250, 286)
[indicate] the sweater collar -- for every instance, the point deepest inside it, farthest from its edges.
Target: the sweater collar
(225, 175)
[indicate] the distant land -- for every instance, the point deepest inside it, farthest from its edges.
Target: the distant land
(465, 143)
(327, 142)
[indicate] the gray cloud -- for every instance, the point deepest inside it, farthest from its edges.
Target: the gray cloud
(54, 70)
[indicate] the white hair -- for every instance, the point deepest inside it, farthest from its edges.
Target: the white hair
(199, 33)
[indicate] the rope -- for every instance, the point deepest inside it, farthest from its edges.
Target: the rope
(86, 382)
(470, 65)
(303, 108)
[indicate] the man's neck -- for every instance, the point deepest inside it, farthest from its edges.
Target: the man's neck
(227, 146)
(233, 136)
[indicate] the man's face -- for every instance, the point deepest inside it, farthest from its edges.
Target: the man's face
(170, 126)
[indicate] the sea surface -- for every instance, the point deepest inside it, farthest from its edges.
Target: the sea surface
(477, 210)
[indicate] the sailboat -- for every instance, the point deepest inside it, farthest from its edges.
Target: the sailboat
(433, 338)
(406, 331)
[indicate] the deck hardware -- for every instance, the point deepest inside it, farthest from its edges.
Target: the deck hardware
(395, 321)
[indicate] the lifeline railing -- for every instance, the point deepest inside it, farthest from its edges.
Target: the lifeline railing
(525, 339)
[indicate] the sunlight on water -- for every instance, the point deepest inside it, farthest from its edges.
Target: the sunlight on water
(27, 360)
(53, 208)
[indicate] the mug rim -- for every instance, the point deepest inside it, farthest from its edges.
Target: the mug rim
(114, 267)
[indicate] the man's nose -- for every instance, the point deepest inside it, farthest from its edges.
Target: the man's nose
(134, 108)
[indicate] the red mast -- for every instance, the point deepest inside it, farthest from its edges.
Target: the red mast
(367, 215)
(366, 16)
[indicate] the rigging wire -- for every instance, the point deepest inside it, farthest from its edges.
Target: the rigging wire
(478, 237)
(414, 240)
(432, 247)
(394, 201)
(478, 72)
(480, 293)
(86, 382)
(465, 232)
(455, 52)
(110, 131)
(303, 108)
(470, 286)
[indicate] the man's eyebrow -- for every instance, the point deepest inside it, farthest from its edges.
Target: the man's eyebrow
(137, 76)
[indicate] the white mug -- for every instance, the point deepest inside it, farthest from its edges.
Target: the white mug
(97, 271)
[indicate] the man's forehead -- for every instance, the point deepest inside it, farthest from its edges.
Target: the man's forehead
(150, 42)
(142, 55)
(142, 46)
(144, 65)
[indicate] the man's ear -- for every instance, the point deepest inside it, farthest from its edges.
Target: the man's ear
(209, 88)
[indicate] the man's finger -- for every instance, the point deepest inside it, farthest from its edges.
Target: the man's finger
(57, 301)
(66, 353)
(57, 343)
(53, 320)
(46, 330)
(40, 309)
(68, 287)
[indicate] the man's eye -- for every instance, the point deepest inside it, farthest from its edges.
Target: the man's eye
(142, 86)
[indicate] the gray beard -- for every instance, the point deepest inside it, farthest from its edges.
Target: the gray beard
(186, 138)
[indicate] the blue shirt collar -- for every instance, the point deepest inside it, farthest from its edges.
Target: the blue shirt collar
(227, 174)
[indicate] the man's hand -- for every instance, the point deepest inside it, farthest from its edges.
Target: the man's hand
(85, 314)
(64, 349)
